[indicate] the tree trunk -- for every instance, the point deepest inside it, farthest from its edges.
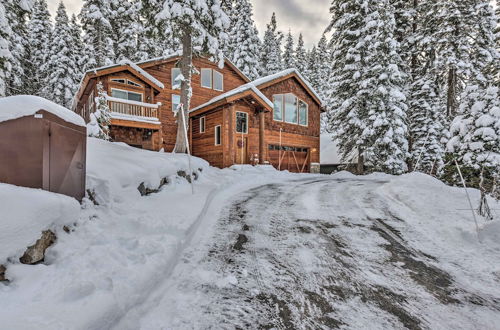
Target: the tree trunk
(452, 93)
(186, 70)
(361, 163)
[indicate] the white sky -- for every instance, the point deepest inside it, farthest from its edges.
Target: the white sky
(307, 16)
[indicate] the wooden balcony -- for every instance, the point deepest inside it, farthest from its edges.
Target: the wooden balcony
(131, 108)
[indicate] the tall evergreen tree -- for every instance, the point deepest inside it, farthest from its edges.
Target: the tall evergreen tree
(365, 89)
(301, 55)
(63, 71)
(323, 67)
(17, 13)
(79, 49)
(201, 25)
(311, 71)
(289, 52)
(157, 37)
(127, 28)
(271, 49)
(95, 19)
(39, 36)
(243, 45)
(5, 54)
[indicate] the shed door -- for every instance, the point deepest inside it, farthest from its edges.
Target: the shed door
(67, 161)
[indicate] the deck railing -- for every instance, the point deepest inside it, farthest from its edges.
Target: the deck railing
(133, 108)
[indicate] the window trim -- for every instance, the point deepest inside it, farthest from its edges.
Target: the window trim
(283, 110)
(236, 123)
(219, 129)
(124, 90)
(214, 72)
(172, 81)
(211, 78)
(172, 101)
(307, 113)
(204, 121)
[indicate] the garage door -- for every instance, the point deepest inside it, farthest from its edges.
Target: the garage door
(293, 159)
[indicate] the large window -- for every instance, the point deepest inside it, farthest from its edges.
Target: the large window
(290, 109)
(212, 79)
(241, 122)
(278, 107)
(176, 72)
(176, 100)
(218, 135)
(206, 78)
(202, 124)
(126, 95)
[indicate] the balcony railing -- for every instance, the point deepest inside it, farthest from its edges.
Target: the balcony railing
(132, 108)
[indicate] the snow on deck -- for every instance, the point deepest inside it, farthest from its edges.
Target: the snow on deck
(13, 107)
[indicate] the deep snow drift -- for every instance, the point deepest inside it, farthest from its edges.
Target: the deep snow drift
(129, 261)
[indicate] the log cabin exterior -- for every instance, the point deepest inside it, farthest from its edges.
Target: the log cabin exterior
(273, 120)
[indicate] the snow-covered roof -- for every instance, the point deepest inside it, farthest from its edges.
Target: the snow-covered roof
(238, 90)
(285, 73)
(18, 106)
(143, 73)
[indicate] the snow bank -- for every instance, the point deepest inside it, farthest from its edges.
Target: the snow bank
(114, 169)
(18, 106)
(26, 212)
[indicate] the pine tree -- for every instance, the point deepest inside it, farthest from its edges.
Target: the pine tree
(100, 120)
(127, 28)
(301, 55)
(79, 49)
(63, 71)
(311, 71)
(271, 49)
(5, 54)
(157, 37)
(201, 25)
(243, 45)
(323, 67)
(94, 17)
(16, 13)
(39, 36)
(289, 52)
(369, 106)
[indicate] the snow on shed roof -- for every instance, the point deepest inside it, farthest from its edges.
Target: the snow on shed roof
(285, 73)
(13, 107)
(241, 89)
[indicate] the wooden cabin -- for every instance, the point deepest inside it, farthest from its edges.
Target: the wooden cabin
(273, 120)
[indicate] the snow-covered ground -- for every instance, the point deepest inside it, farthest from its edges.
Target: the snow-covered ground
(252, 248)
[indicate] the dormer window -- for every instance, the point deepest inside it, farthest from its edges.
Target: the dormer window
(212, 79)
(290, 109)
(126, 82)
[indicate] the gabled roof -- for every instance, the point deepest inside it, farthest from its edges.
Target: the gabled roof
(285, 74)
(236, 94)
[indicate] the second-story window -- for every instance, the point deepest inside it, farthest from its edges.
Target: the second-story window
(176, 100)
(212, 79)
(176, 84)
(290, 109)
(126, 95)
(206, 78)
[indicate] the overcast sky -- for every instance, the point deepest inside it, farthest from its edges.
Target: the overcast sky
(307, 16)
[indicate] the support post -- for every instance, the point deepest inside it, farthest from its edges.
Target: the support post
(262, 136)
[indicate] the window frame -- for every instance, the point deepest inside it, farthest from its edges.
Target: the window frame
(204, 121)
(172, 100)
(296, 109)
(307, 113)
(218, 129)
(172, 78)
(127, 91)
(211, 78)
(283, 109)
(214, 73)
(236, 123)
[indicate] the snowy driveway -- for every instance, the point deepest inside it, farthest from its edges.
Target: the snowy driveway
(319, 253)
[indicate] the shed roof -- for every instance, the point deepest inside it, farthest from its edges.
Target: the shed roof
(13, 107)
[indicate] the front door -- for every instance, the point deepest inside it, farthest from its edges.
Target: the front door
(241, 150)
